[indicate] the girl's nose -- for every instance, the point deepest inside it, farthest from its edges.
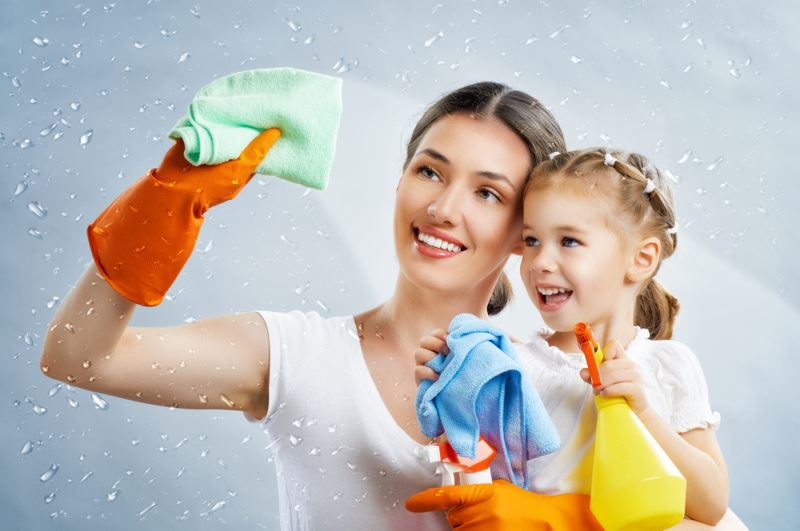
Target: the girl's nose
(543, 262)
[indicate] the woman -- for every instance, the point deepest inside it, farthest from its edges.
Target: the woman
(337, 393)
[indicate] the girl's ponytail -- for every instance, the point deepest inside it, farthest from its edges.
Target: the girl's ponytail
(656, 310)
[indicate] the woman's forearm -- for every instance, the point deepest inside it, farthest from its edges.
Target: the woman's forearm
(706, 481)
(88, 325)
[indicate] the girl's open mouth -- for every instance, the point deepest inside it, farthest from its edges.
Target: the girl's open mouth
(552, 299)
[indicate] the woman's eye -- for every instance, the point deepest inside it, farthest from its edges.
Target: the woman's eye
(570, 242)
(530, 241)
(428, 173)
(489, 195)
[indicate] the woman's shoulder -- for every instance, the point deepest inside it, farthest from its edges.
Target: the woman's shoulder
(309, 324)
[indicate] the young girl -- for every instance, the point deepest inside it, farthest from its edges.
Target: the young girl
(596, 226)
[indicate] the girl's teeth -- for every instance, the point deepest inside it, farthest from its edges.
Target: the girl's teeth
(552, 291)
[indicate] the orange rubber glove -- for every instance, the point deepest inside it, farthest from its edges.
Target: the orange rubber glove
(503, 506)
(142, 240)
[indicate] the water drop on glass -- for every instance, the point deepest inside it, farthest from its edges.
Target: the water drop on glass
(86, 137)
(685, 157)
(39, 410)
(21, 187)
(26, 448)
(184, 56)
(717, 162)
(558, 31)
(138, 45)
(75, 105)
(25, 143)
(735, 73)
(72, 403)
(49, 129)
(111, 496)
(41, 41)
(48, 474)
(309, 39)
(315, 451)
(147, 509)
(299, 290)
(217, 506)
(99, 402)
(49, 497)
(54, 390)
(35, 233)
(295, 27)
(294, 440)
(433, 39)
(37, 209)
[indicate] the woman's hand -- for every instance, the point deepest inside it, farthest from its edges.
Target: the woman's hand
(621, 377)
(430, 346)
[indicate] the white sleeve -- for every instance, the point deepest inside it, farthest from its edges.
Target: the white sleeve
(684, 386)
(288, 352)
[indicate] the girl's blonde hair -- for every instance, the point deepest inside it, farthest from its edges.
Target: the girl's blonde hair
(642, 204)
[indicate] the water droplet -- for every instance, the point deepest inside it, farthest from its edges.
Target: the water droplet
(48, 474)
(25, 143)
(49, 129)
(217, 506)
(195, 11)
(382, 472)
(52, 302)
(575, 60)
(86, 137)
(49, 497)
(39, 410)
(310, 39)
(295, 27)
(202, 398)
(86, 364)
(315, 451)
(332, 428)
(37, 209)
(299, 290)
(228, 402)
(294, 440)
(685, 157)
(21, 187)
(433, 39)
(75, 105)
(717, 162)
(735, 73)
(28, 339)
(558, 31)
(72, 403)
(54, 390)
(41, 41)
(86, 475)
(99, 402)
(111, 496)
(184, 56)
(322, 305)
(351, 466)
(147, 509)
(664, 83)
(26, 448)
(138, 45)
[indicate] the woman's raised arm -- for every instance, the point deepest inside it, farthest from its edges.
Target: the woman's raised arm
(217, 363)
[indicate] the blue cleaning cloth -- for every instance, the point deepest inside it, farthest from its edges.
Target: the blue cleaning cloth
(482, 390)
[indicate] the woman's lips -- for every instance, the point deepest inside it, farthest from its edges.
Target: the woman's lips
(423, 242)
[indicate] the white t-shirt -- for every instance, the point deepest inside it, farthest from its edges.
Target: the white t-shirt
(342, 461)
(674, 383)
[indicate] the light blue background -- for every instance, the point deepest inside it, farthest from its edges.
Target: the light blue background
(708, 90)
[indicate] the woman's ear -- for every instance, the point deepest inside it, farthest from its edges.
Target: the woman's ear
(646, 258)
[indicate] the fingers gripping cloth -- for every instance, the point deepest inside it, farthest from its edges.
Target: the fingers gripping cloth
(229, 112)
(482, 390)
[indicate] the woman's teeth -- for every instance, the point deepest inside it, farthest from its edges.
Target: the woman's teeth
(439, 244)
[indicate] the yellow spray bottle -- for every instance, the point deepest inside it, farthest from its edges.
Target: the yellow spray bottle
(635, 485)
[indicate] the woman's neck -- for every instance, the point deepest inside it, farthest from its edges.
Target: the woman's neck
(412, 312)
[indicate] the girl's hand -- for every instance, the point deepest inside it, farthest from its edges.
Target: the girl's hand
(429, 347)
(620, 376)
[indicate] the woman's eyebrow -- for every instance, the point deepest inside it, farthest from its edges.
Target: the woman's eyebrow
(435, 154)
(497, 177)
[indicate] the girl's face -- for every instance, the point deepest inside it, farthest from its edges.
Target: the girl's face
(458, 207)
(573, 265)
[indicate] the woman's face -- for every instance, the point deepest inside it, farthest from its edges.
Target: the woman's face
(459, 203)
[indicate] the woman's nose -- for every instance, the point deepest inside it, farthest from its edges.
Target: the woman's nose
(446, 207)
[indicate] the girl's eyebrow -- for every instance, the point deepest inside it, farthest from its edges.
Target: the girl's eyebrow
(560, 228)
(484, 173)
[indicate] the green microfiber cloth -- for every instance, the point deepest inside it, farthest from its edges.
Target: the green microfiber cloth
(229, 112)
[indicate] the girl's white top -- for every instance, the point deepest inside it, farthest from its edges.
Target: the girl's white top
(342, 461)
(674, 384)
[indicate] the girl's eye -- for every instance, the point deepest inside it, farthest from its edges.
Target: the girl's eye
(569, 242)
(428, 173)
(530, 241)
(489, 195)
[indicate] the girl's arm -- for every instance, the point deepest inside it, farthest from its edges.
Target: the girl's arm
(218, 363)
(696, 453)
